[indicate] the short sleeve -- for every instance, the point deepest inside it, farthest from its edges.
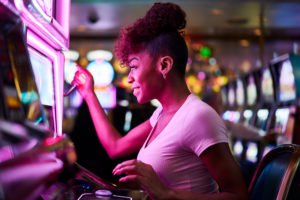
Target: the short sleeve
(204, 131)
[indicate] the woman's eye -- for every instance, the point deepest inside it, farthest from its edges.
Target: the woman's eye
(133, 67)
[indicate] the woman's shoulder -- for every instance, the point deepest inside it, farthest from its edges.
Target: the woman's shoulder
(198, 107)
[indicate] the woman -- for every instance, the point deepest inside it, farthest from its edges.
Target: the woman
(183, 147)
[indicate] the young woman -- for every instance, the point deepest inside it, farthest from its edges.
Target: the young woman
(183, 148)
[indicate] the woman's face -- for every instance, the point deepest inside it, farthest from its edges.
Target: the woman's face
(144, 77)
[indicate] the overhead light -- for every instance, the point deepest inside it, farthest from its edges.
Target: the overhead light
(71, 55)
(99, 55)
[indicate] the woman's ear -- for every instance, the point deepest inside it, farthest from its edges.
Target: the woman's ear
(166, 64)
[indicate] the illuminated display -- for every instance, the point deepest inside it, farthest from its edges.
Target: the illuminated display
(42, 68)
(238, 148)
(262, 116)
(103, 74)
(231, 95)
(252, 152)
(247, 114)
(102, 71)
(233, 116)
(69, 71)
(287, 90)
(251, 91)
(282, 116)
(224, 96)
(240, 96)
(267, 86)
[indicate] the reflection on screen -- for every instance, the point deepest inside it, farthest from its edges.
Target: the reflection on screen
(287, 89)
(252, 152)
(42, 68)
(262, 117)
(240, 98)
(267, 86)
(251, 91)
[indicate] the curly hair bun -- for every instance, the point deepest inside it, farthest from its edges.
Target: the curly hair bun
(164, 17)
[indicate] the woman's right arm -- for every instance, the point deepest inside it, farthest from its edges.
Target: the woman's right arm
(115, 145)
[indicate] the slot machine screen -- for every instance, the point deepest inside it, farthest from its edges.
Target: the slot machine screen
(262, 117)
(231, 95)
(251, 91)
(247, 116)
(224, 95)
(252, 152)
(22, 100)
(42, 68)
(240, 93)
(238, 148)
(267, 86)
(103, 74)
(281, 119)
(287, 90)
(233, 116)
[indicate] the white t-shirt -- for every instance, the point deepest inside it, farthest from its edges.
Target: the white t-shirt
(174, 153)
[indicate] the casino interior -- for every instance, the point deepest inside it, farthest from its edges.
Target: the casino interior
(244, 61)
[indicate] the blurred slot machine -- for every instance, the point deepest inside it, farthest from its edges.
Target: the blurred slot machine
(245, 147)
(224, 97)
(263, 112)
(252, 96)
(286, 69)
(33, 151)
(231, 114)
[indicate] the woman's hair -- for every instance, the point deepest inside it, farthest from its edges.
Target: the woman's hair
(159, 32)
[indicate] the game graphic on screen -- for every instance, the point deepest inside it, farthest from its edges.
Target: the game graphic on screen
(287, 90)
(267, 86)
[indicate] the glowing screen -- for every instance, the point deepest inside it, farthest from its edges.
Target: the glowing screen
(42, 68)
(240, 98)
(231, 95)
(102, 72)
(251, 91)
(287, 90)
(224, 96)
(247, 114)
(282, 116)
(262, 116)
(252, 152)
(267, 86)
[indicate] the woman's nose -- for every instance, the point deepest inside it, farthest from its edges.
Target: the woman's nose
(130, 78)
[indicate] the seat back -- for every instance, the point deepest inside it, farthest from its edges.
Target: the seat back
(275, 174)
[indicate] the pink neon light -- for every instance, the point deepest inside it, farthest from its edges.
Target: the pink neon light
(58, 63)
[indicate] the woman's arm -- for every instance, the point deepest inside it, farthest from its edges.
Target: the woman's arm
(115, 145)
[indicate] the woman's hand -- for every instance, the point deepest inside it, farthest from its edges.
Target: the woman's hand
(84, 81)
(142, 174)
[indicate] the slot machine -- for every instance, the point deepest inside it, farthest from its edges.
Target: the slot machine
(38, 161)
(286, 69)
(33, 151)
(231, 114)
(263, 112)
